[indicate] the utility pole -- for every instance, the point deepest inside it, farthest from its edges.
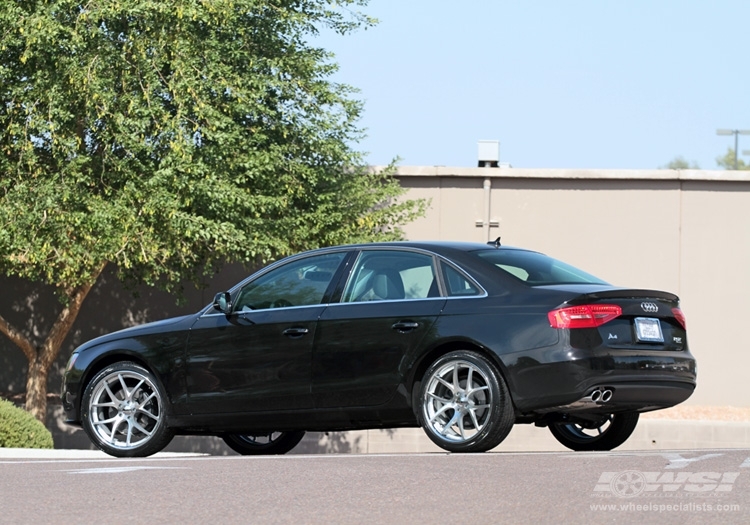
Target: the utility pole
(736, 133)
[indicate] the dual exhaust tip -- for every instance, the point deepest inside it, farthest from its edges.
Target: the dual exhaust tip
(600, 395)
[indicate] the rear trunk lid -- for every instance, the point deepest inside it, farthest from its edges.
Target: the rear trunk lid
(649, 319)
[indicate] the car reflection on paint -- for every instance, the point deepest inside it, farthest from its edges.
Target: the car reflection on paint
(462, 339)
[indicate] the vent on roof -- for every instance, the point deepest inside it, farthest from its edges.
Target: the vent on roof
(488, 154)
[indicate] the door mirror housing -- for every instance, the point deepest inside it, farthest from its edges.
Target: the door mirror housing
(223, 302)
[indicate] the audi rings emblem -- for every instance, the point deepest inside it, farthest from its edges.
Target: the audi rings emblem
(651, 308)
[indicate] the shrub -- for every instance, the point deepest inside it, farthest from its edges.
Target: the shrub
(19, 429)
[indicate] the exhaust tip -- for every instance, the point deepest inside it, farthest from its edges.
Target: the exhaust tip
(606, 396)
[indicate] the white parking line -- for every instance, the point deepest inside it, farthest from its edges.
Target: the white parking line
(118, 470)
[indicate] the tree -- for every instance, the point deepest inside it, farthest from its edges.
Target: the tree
(726, 161)
(679, 163)
(167, 137)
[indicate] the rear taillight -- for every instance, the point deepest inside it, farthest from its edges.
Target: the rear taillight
(583, 316)
(680, 317)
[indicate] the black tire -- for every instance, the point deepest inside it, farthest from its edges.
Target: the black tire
(123, 411)
(464, 404)
(263, 444)
(608, 433)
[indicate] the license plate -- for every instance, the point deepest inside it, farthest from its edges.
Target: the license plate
(648, 330)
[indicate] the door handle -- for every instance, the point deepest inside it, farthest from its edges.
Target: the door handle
(295, 332)
(405, 326)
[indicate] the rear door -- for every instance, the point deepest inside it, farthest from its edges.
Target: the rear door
(387, 310)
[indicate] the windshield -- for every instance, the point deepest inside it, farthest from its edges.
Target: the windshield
(536, 269)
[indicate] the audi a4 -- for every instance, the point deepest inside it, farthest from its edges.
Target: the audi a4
(462, 339)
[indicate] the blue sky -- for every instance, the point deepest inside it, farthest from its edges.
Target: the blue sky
(561, 84)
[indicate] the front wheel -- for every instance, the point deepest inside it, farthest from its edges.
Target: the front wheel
(464, 405)
(604, 434)
(263, 444)
(123, 411)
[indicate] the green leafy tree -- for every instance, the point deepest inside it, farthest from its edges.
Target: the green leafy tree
(726, 161)
(167, 137)
(680, 163)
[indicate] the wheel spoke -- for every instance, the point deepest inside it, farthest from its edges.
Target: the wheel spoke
(449, 424)
(475, 390)
(111, 394)
(473, 414)
(118, 419)
(108, 404)
(456, 384)
(461, 426)
(106, 421)
(149, 398)
(446, 383)
(124, 386)
(440, 412)
(141, 429)
(128, 439)
(152, 415)
(135, 389)
(438, 398)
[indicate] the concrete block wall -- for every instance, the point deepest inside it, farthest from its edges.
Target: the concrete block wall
(683, 231)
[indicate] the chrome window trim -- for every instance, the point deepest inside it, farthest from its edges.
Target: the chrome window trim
(319, 305)
(331, 305)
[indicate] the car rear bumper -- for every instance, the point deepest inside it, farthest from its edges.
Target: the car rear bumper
(604, 382)
(634, 396)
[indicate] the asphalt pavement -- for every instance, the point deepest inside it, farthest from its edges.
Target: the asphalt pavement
(632, 487)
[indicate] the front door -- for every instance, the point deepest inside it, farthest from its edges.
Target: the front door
(259, 357)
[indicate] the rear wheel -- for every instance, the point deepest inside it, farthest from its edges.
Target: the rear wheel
(263, 444)
(464, 405)
(123, 411)
(604, 434)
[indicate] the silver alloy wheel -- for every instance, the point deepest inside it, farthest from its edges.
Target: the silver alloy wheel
(259, 440)
(605, 433)
(588, 432)
(264, 443)
(125, 409)
(457, 402)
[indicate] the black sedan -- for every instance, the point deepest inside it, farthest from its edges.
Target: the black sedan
(462, 339)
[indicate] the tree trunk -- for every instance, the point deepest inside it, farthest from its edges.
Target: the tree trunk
(36, 389)
(41, 358)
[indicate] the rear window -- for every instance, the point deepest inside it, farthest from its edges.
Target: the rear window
(536, 269)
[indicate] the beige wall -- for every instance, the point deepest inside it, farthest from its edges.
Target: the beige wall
(687, 232)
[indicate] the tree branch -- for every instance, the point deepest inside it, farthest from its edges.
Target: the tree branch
(68, 315)
(20, 340)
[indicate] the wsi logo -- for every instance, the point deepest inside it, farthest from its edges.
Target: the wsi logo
(631, 483)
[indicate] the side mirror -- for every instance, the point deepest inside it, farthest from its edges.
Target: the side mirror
(223, 302)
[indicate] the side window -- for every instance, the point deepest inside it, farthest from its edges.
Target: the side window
(391, 275)
(298, 283)
(457, 283)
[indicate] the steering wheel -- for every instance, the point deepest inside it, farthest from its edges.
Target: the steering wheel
(280, 303)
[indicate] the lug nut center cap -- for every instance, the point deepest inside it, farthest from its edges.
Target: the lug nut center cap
(127, 408)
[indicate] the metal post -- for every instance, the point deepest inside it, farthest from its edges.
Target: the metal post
(736, 133)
